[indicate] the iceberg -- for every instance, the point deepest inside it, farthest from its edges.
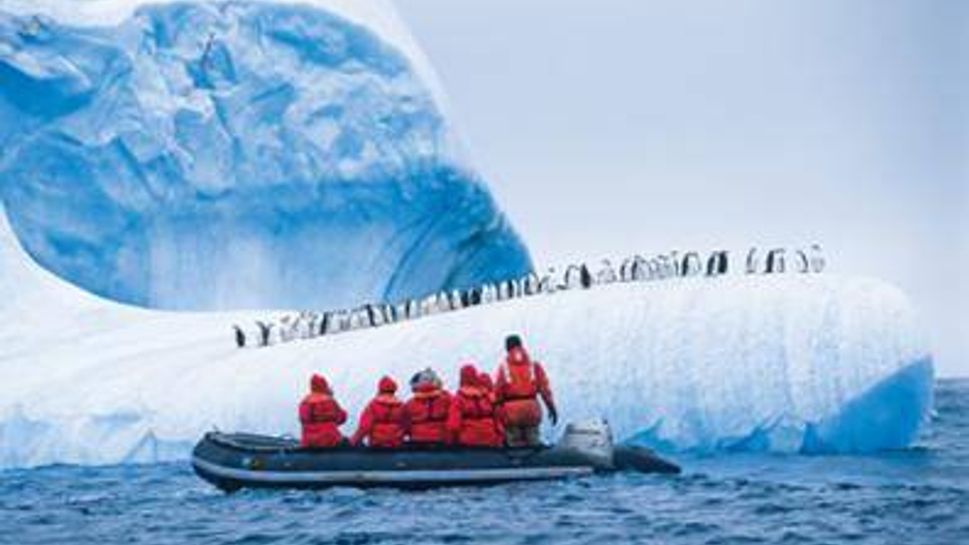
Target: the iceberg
(784, 363)
(237, 154)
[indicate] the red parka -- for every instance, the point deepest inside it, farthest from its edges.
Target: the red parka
(382, 422)
(471, 420)
(518, 385)
(426, 414)
(321, 416)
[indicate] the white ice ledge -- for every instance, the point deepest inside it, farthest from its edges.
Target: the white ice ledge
(783, 363)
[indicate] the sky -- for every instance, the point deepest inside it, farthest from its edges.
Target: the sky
(616, 127)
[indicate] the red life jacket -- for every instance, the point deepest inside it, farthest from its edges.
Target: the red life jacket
(472, 419)
(321, 417)
(387, 427)
(520, 382)
(427, 414)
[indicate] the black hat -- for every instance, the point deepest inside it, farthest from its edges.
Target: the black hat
(512, 341)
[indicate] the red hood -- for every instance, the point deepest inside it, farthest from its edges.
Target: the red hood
(469, 376)
(319, 385)
(484, 380)
(387, 385)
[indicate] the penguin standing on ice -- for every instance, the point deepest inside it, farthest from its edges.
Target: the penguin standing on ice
(573, 278)
(817, 258)
(753, 262)
(240, 336)
(265, 330)
(775, 261)
(324, 324)
(717, 263)
(531, 284)
(691, 265)
(606, 274)
(625, 275)
(803, 265)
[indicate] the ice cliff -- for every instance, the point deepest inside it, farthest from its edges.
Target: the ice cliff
(241, 154)
(807, 363)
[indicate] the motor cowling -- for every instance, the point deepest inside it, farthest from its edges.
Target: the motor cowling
(592, 439)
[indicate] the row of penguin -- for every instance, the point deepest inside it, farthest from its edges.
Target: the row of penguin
(311, 324)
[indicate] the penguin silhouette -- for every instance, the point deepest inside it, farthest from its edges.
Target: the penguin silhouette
(817, 258)
(803, 264)
(752, 261)
(775, 261)
(265, 329)
(240, 336)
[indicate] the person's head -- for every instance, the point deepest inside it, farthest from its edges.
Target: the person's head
(425, 381)
(512, 342)
(386, 385)
(485, 382)
(319, 385)
(469, 376)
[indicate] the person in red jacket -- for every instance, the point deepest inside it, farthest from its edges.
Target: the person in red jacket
(518, 384)
(488, 387)
(471, 419)
(426, 412)
(321, 416)
(382, 422)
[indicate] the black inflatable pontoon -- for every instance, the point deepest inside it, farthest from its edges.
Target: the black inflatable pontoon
(238, 460)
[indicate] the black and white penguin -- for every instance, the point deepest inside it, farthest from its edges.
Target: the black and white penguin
(803, 264)
(606, 274)
(775, 261)
(531, 283)
(817, 258)
(691, 264)
(547, 283)
(625, 273)
(240, 336)
(474, 296)
(489, 294)
(585, 277)
(324, 324)
(265, 331)
(640, 269)
(503, 293)
(573, 278)
(717, 263)
(753, 261)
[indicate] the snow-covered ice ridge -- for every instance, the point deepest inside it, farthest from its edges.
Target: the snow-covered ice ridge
(307, 324)
(760, 362)
(238, 154)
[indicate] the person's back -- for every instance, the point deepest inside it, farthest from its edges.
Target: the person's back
(426, 412)
(518, 385)
(471, 419)
(382, 422)
(320, 416)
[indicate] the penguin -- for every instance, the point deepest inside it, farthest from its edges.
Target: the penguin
(775, 261)
(456, 301)
(265, 330)
(488, 294)
(624, 270)
(573, 278)
(666, 268)
(503, 293)
(640, 269)
(654, 268)
(817, 258)
(717, 263)
(803, 264)
(691, 265)
(413, 309)
(585, 277)
(465, 298)
(324, 327)
(674, 259)
(372, 319)
(753, 261)
(606, 274)
(547, 283)
(240, 336)
(512, 288)
(531, 284)
(474, 296)
(442, 302)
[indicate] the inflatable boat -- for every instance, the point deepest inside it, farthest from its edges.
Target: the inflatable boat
(232, 461)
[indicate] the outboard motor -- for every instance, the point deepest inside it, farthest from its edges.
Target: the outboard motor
(591, 438)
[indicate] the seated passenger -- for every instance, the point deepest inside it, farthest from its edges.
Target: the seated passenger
(471, 419)
(321, 416)
(519, 384)
(382, 422)
(426, 412)
(488, 387)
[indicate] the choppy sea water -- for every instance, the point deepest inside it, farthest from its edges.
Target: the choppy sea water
(916, 496)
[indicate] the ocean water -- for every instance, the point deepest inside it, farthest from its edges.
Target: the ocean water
(920, 495)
